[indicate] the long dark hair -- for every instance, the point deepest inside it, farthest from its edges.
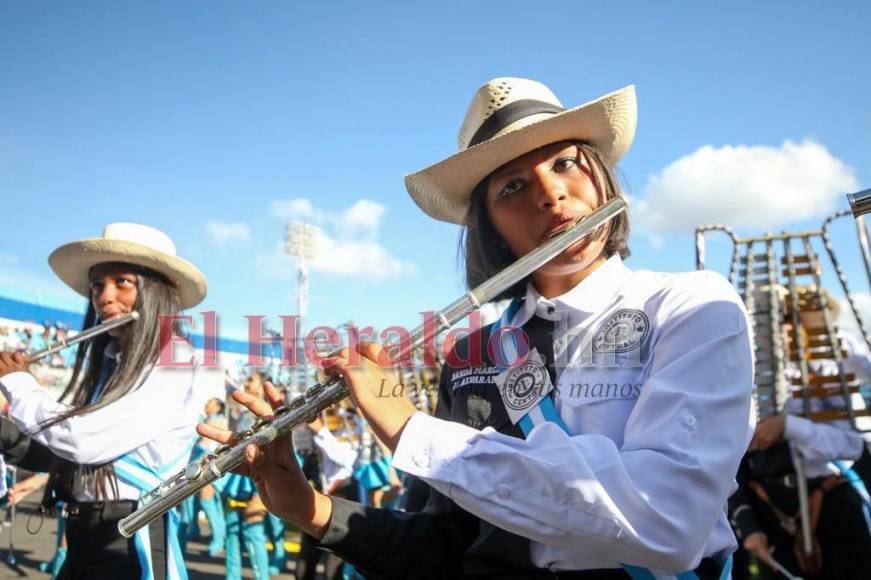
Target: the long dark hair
(485, 253)
(140, 343)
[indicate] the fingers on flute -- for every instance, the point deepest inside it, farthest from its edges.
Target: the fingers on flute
(254, 456)
(215, 434)
(7, 360)
(257, 406)
(376, 354)
(275, 396)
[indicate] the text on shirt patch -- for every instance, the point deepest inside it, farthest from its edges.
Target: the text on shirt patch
(623, 331)
(473, 376)
(524, 384)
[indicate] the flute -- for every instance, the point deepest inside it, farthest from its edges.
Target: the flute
(84, 335)
(860, 202)
(306, 407)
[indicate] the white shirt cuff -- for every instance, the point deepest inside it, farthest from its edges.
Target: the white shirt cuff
(431, 448)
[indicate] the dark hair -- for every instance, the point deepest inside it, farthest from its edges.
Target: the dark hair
(485, 252)
(221, 404)
(140, 345)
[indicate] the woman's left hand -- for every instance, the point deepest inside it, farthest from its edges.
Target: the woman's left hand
(12, 363)
(375, 390)
(280, 482)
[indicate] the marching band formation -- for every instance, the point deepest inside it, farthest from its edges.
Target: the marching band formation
(610, 423)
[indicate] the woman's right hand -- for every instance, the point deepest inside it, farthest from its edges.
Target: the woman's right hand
(280, 482)
(12, 363)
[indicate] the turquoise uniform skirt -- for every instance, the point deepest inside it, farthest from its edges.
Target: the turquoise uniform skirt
(373, 475)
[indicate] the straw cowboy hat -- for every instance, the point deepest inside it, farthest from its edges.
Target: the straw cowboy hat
(131, 244)
(507, 118)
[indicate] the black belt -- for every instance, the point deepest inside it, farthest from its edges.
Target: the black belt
(708, 569)
(108, 509)
(790, 480)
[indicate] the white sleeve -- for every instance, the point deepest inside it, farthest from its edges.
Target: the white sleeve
(858, 360)
(341, 454)
(156, 406)
(655, 500)
(819, 441)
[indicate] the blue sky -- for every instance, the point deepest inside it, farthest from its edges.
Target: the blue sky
(216, 120)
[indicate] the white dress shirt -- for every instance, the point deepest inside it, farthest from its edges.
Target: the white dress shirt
(655, 435)
(155, 421)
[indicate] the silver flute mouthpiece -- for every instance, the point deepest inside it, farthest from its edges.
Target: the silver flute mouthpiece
(84, 335)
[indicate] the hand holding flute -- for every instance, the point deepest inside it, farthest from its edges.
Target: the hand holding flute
(274, 469)
(282, 486)
(318, 397)
(13, 362)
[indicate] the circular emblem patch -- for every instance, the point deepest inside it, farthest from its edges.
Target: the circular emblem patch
(623, 331)
(524, 384)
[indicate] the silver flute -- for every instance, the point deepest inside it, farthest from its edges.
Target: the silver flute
(84, 335)
(306, 407)
(860, 202)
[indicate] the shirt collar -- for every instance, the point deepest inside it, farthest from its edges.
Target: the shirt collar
(591, 294)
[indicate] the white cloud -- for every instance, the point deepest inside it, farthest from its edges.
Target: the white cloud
(348, 246)
(366, 259)
(362, 259)
(8, 259)
(222, 232)
(291, 208)
(363, 214)
(743, 186)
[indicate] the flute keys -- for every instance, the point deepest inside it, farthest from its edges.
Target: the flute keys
(193, 471)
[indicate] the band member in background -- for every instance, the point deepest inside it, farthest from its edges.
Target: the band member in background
(243, 509)
(335, 477)
(765, 510)
(603, 440)
(124, 422)
(207, 499)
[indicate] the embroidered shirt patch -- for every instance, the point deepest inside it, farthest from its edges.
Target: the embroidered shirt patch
(524, 386)
(623, 331)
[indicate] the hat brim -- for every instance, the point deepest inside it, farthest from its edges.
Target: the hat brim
(608, 123)
(72, 262)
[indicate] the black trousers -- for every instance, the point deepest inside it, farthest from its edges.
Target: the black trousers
(97, 551)
(309, 554)
(843, 535)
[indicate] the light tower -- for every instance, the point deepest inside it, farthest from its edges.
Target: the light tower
(301, 242)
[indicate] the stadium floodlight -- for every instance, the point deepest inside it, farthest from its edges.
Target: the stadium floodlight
(302, 241)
